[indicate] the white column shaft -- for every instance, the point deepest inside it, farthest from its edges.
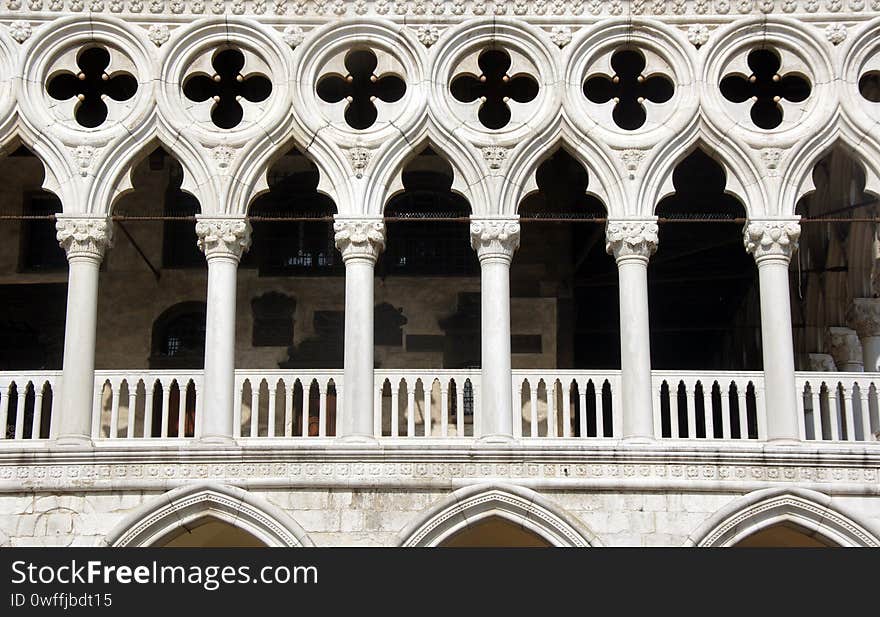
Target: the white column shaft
(218, 388)
(497, 403)
(635, 348)
(357, 418)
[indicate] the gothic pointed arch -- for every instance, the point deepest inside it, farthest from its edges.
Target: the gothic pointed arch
(192, 504)
(514, 504)
(811, 512)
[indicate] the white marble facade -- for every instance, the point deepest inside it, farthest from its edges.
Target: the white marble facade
(355, 489)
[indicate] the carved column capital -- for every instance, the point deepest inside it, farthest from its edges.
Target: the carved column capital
(631, 238)
(822, 363)
(223, 237)
(359, 238)
(864, 316)
(84, 236)
(772, 238)
(845, 347)
(495, 238)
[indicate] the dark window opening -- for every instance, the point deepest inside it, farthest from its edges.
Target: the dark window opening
(179, 337)
(869, 86)
(273, 320)
(293, 247)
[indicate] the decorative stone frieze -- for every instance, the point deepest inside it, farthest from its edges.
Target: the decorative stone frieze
(84, 236)
(495, 238)
(822, 363)
(772, 238)
(635, 238)
(223, 237)
(362, 238)
(845, 348)
(864, 316)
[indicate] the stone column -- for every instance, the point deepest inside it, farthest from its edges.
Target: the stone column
(223, 240)
(360, 240)
(846, 349)
(864, 317)
(632, 242)
(85, 239)
(495, 241)
(772, 243)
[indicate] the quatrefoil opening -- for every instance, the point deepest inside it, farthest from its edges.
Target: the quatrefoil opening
(361, 87)
(227, 87)
(765, 88)
(869, 86)
(629, 88)
(92, 86)
(494, 87)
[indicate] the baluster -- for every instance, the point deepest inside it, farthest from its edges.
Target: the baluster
(377, 406)
(322, 409)
(815, 399)
(18, 431)
(600, 410)
(459, 406)
(181, 406)
(866, 412)
(444, 409)
(516, 397)
(760, 412)
(255, 408)
(132, 409)
(166, 411)
(395, 409)
(674, 429)
(4, 409)
(708, 411)
(115, 389)
(833, 413)
(725, 411)
(148, 409)
(236, 408)
(410, 408)
(36, 421)
(427, 393)
(533, 408)
(288, 409)
(690, 399)
(273, 397)
(306, 395)
(658, 409)
(96, 411)
(566, 410)
(742, 392)
(850, 414)
(551, 409)
(801, 412)
(582, 419)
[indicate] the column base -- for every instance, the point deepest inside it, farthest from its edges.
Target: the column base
(783, 441)
(638, 439)
(498, 439)
(358, 440)
(215, 441)
(74, 441)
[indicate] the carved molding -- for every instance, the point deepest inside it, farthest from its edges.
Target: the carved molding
(772, 238)
(636, 238)
(864, 316)
(495, 238)
(223, 237)
(84, 236)
(359, 238)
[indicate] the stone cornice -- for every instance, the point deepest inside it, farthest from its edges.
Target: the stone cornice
(223, 237)
(495, 238)
(771, 238)
(359, 238)
(84, 236)
(631, 238)
(734, 467)
(421, 12)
